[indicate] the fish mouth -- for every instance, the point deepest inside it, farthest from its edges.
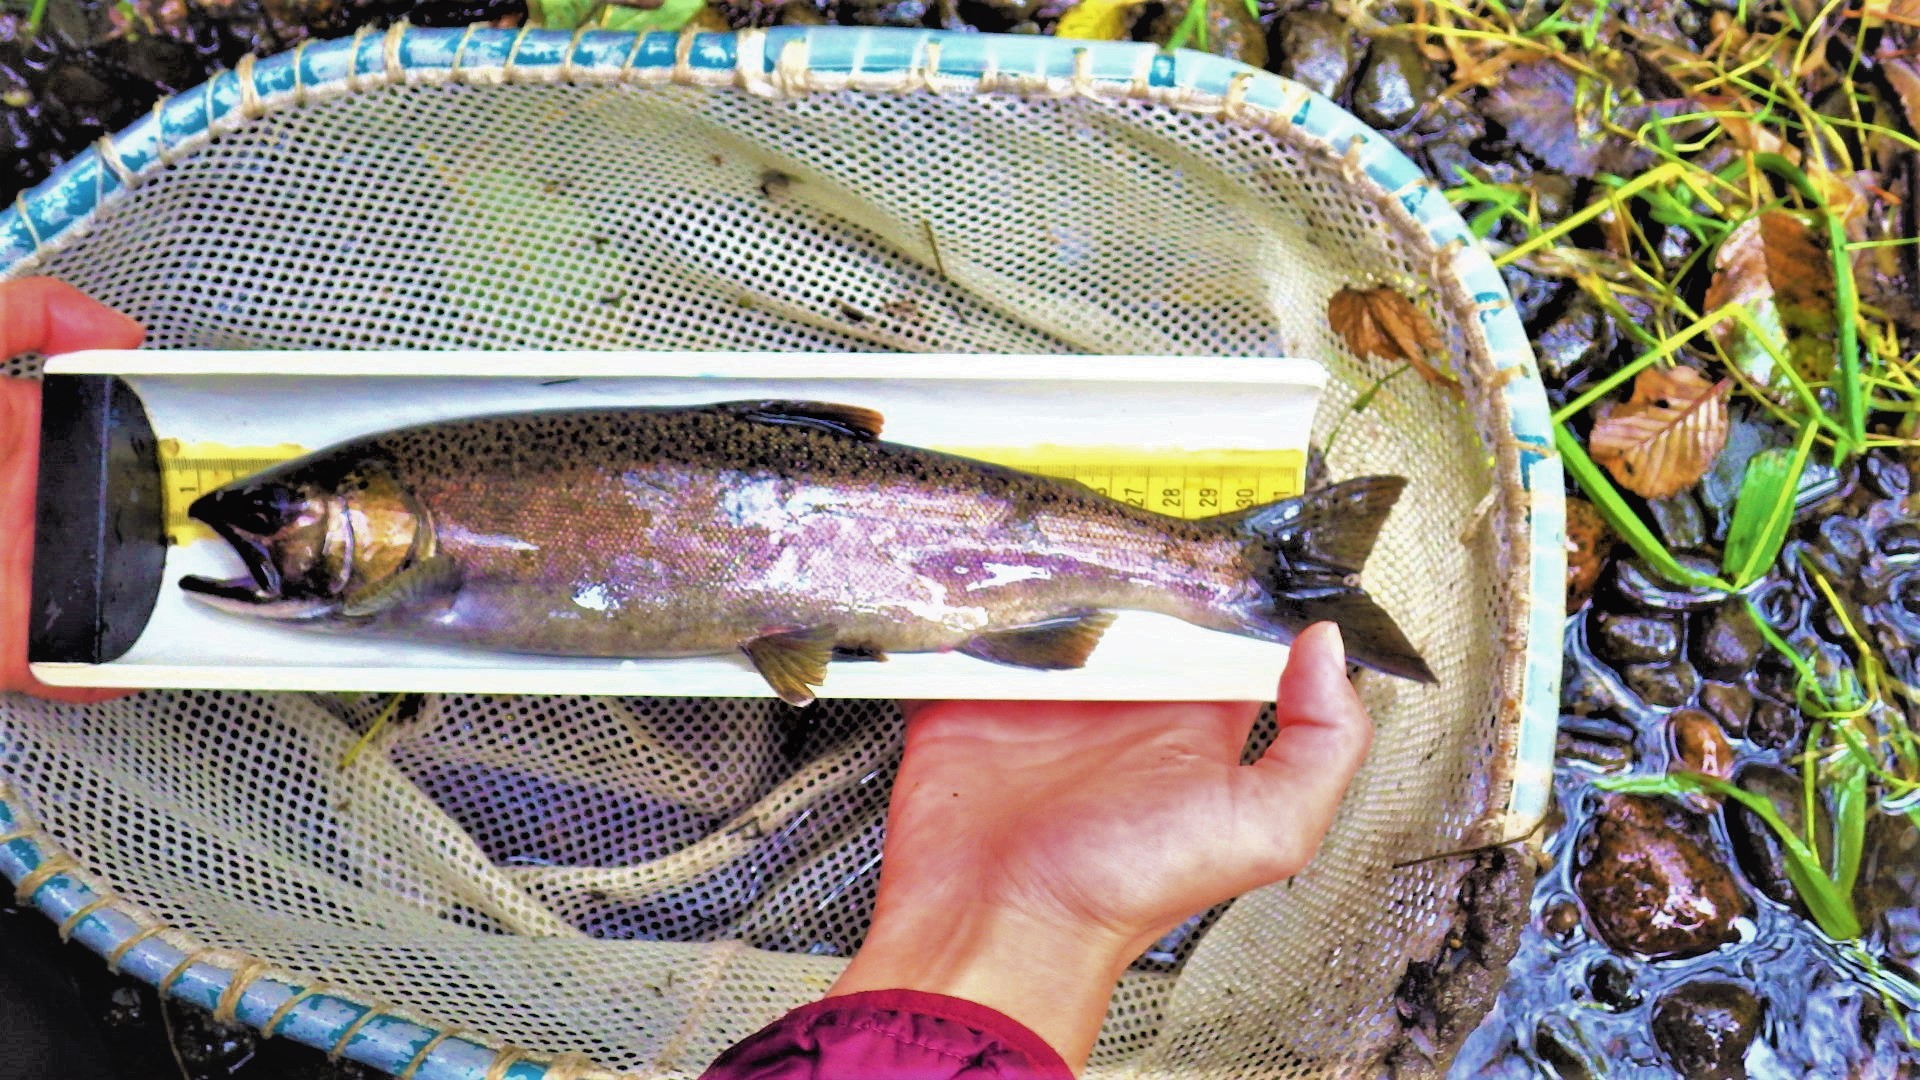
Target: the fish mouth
(263, 583)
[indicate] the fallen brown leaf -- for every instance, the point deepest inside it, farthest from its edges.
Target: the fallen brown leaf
(1665, 437)
(1903, 74)
(1381, 322)
(1772, 266)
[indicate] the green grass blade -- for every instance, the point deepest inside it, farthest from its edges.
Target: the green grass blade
(1763, 510)
(1621, 518)
(1850, 829)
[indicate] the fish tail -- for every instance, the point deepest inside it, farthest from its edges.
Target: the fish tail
(1305, 554)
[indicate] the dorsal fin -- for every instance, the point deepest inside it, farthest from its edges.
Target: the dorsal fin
(849, 420)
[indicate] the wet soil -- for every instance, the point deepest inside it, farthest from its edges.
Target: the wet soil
(1665, 939)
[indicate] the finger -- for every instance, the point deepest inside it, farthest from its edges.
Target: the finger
(1324, 736)
(47, 316)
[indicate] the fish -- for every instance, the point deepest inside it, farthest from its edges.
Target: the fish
(785, 530)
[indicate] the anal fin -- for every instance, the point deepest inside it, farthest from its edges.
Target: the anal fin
(794, 662)
(1055, 644)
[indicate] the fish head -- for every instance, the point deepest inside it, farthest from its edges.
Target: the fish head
(311, 537)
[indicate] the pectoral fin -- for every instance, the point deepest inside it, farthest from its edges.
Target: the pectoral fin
(435, 575)
(793, 663)
(1052, 645)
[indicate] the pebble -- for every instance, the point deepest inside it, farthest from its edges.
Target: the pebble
(1900, 540)
(1730, 703)
(1560, 919)
(1635, 639)
(1682, 523)
(1640, 586)
(1774, 726)
(1728, 644)
(1316, 49)
(1589, 541)
(1392, 86)
(1842, 536)
(1668, 685)
(1232, 31)
(1704, 1028)
(1579, 337)
(1885, 475)
(1756, 849)
(1650, 883)
(1698, 745)
(1612, 984)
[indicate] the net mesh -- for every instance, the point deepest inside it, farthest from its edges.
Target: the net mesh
(647, 881)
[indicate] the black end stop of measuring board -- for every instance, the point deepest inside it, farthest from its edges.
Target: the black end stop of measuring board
(100, 542)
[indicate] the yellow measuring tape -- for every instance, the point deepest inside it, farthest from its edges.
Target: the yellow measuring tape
(1187, 484)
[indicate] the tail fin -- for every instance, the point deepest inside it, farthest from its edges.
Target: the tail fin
(1305, 553)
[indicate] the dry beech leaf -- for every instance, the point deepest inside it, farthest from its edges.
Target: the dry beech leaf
(1772, 265)
(1663, 440)
(1383, 323)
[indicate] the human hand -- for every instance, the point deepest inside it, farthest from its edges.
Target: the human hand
(37, 315)
(1034, 849)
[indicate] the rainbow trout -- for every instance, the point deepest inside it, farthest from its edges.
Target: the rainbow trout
(784, 529)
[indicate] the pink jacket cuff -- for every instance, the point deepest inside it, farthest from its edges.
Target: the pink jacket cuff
(891, 1035)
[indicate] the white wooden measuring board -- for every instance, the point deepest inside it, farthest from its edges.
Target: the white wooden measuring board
(1185, 436)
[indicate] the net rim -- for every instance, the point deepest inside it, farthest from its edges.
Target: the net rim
(774, 62)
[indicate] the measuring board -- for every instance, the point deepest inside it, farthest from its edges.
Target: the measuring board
(1192, 484)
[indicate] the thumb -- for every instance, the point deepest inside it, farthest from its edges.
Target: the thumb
(1323, 737)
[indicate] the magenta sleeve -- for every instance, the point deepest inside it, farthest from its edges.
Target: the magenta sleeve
(891, 1035)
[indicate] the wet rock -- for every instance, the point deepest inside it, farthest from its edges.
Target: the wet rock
(1698, 745)
(1899, 541)
(1781, 603)
(204, 1045)
(1730, 704)
(1885, 475)
(1704, 1028)
(1560, 919)
(1756, 849)
(1726, 644)
(1668, 685)
(1650, 883)
(1580, 337)
(1902, 609)
(1682, 523)
(1774, 726)
(1612, 985)
(1635, 639)
(1558, 1046)
(1843, 537)
(1316, 49)
(1393, 85)
(1589, 542)
(1639, 585)
(1232, 32)
(1596, 740)
(1890, 884)
(1532, 293)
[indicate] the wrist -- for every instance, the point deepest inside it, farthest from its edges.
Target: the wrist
(1055, 980)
